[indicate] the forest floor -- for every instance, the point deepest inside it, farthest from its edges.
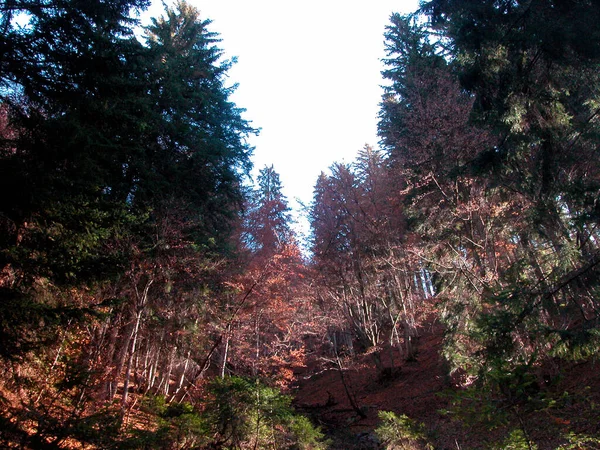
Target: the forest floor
(422, 390)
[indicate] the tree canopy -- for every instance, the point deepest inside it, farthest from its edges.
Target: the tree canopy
(152, 296)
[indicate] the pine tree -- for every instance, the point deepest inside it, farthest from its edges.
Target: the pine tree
(197, 150)
(126, 160)
(486, 119)
(106, 131)
(531, 69)
(268, 216)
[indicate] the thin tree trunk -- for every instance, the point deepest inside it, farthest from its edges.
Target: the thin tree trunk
(141, 304)
(129, 364)
(202, 368)
(167, 377)
(351, 398)
(225, 351)
(182, 377)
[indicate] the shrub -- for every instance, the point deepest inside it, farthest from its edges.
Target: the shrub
(242, 412)
(401, 432)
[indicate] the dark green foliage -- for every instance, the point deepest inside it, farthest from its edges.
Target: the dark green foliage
(531, 67)
(490, 122)
(576, 441)
(28, 324)
(401, 432)
(99, 134)
(54, 428)
(178, 425)
(111, 127)
(121, 167)
(243, 412)
(410, 57)
(238, 413)
(517, 440)
(71, 98)
(198, 150)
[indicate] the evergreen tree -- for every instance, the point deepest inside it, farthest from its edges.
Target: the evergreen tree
(72, 100)
(104, 131)
(197, 152)
(486, 120)
(268, 216)
(531, 68)
(71, 93)
(126, 161)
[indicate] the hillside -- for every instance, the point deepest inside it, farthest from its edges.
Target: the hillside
(421, 390)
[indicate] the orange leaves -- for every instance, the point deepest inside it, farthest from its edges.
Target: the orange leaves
(270, 315)
(282, 366)
(560, 421)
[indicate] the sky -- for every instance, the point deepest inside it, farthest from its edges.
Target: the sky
(309, 75)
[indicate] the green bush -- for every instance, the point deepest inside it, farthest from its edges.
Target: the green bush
(174, 426)
(245, 413)
(401, 432)
(580, 441)
(517, 440)
(237, 413)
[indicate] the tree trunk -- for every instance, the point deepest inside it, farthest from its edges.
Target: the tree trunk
(129, 363)
(351, 398)
(141, 301)
(225, 352)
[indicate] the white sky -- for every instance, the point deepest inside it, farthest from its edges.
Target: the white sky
(309, 77)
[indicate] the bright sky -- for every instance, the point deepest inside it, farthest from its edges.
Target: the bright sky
(309, 77)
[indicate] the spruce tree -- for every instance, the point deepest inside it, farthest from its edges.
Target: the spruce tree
(125, 161)
(268, 227)
(490, 124)
(531, 68)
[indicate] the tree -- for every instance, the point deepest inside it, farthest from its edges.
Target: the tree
(71, 100)
(267, 336)
(530, 68)
(127, 160)
(362, 260)
(268, 216)
(108, 130)
(484, 118)
(198, 149)
(426, 128)
(106, 135)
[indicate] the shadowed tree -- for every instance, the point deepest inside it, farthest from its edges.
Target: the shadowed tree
(367, 281)
(486, 119)
(126, 160)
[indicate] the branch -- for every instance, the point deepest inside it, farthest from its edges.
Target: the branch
(206, 361)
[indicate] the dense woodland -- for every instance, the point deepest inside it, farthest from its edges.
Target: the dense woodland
(153, 296)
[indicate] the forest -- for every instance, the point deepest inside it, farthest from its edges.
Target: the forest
(154, 296)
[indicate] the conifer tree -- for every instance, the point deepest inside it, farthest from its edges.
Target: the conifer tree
(486, 119)
(268, 217)
(126, 160)
(531, 69)
(197, 150)
(106, 131)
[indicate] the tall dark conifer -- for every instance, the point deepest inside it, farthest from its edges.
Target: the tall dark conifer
(121, 167)
(490, 119)
(197, 151)
(531, 68)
